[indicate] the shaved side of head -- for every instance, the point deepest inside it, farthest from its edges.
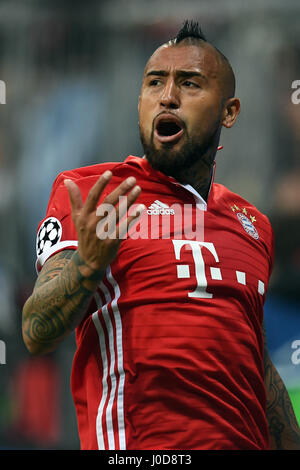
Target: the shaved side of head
(192, 34)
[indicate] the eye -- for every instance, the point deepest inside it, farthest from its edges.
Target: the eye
(154, 82)
(190, 84)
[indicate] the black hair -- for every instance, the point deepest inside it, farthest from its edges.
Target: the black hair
(190, 29)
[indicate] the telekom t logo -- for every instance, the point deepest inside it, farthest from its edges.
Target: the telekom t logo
(183, 270)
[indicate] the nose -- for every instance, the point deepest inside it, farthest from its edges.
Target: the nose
(170, 98)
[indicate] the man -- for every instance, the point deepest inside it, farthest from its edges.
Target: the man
(170, 351)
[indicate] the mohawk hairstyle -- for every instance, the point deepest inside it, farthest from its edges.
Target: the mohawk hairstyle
(190, 29)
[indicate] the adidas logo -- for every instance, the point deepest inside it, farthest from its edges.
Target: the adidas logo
(159, 208)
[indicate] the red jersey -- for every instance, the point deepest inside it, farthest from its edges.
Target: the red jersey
(170, 352)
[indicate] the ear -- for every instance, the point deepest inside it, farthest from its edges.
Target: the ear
(139, 103)
(231, 111)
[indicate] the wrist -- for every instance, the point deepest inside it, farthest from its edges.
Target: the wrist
(90, 275)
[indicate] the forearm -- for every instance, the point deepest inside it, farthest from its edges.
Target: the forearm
(283, 426)
(57, 304)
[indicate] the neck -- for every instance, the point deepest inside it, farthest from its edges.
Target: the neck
(199, 176)
(186, 168)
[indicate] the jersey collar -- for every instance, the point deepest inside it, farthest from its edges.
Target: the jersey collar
(146, 166)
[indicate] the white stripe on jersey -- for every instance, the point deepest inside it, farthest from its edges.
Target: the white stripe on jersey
(120, 396)
(111, 372)
(110, 331)
(99, 430)
(42, 258)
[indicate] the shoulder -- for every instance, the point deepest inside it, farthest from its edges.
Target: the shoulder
(85, 177)
(235, 202)
(87, 172)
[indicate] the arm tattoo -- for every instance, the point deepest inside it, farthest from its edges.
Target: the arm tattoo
(59, 300)
(283, 426)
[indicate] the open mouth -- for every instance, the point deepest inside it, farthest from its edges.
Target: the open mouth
(168, 128)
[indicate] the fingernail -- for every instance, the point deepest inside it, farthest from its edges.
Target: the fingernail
(141, 208)
(107, 174)
(67, 180)
(136, 189)
(131, 180)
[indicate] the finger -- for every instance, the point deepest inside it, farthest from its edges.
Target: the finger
(121, 190)
(95, 193)
(126, 224)
(106, 226)
(74, 195)
(127, 201)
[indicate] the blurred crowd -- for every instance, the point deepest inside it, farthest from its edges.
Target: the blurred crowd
(73, 74)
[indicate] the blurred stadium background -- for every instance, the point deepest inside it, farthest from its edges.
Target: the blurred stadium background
(73, 72)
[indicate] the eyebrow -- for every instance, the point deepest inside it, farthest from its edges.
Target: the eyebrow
(179, 73)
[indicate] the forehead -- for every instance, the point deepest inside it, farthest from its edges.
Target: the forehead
(186, 57)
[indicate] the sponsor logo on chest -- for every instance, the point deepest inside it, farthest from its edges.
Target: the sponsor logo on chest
(160, 208)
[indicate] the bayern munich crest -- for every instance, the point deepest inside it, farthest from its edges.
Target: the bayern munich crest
(247, 225)
(49, 234)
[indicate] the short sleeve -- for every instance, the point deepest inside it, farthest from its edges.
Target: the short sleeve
(56, 232)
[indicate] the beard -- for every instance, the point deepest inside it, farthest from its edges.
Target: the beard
(176, 162)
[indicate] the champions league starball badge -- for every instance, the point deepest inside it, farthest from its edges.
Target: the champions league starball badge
(247, 225)
(49, 234)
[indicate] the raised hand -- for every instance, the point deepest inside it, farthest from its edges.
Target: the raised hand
(96, 246)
